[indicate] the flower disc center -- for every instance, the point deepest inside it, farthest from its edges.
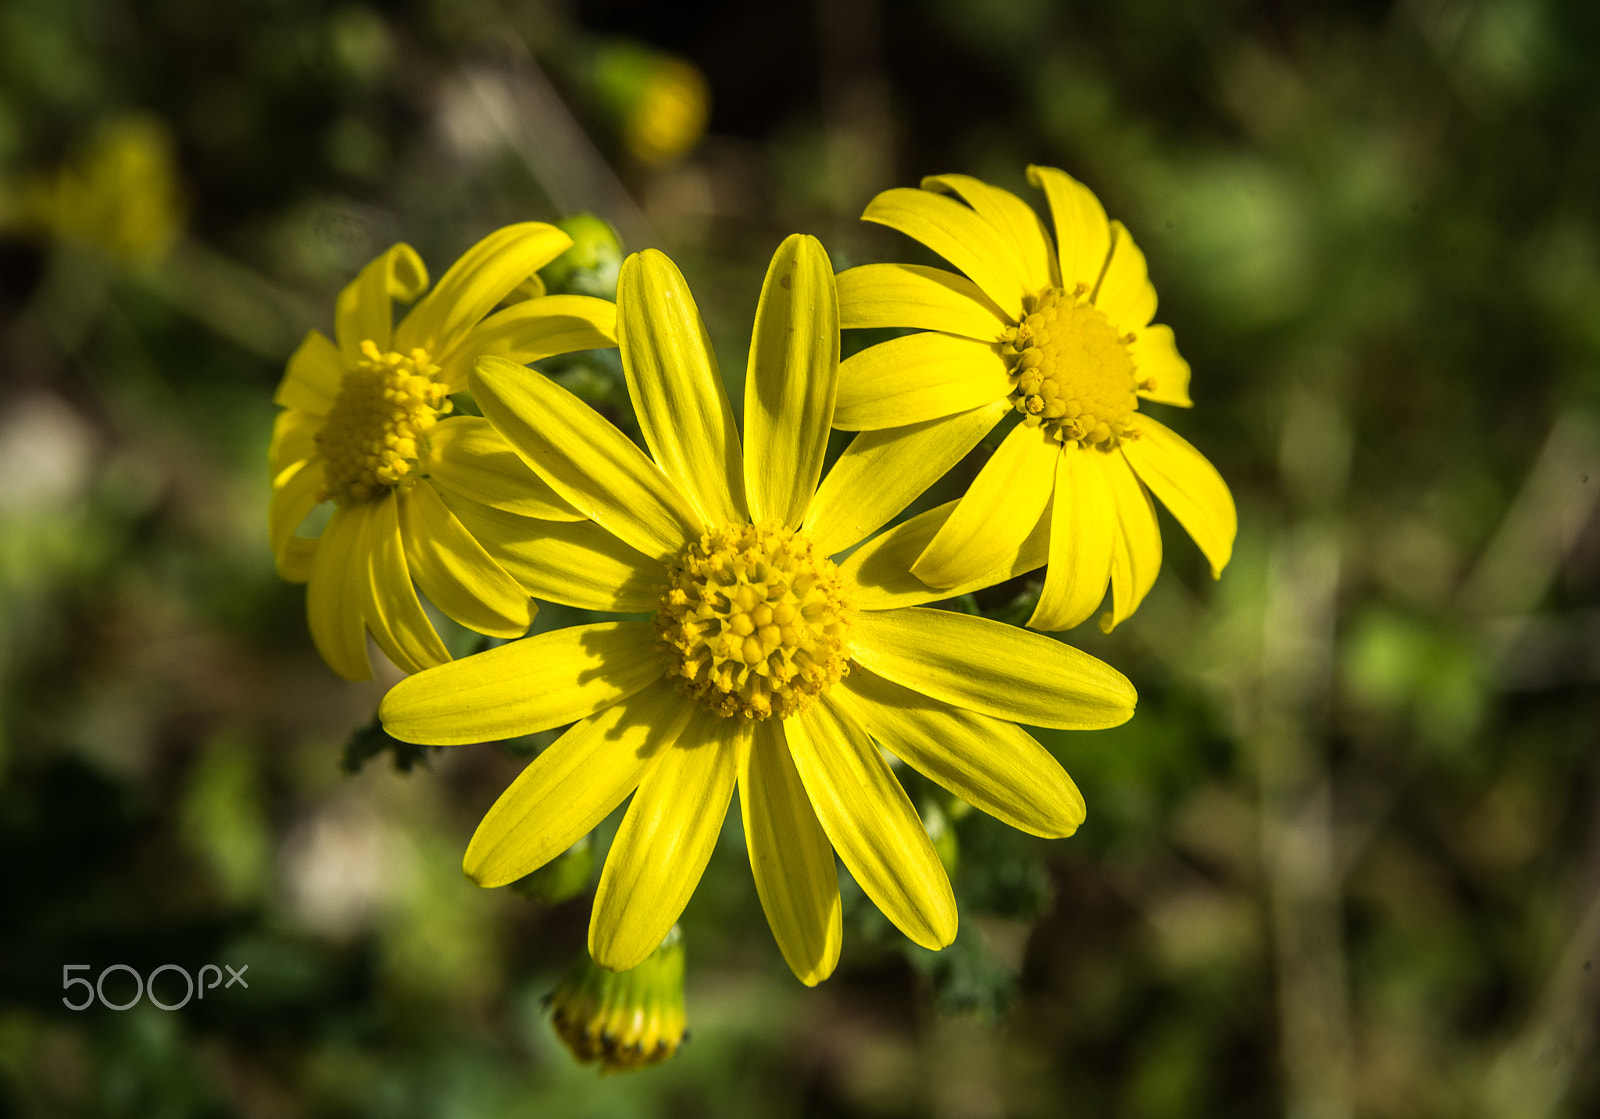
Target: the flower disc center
(1074, 373)
(754, 621)
(370, 436)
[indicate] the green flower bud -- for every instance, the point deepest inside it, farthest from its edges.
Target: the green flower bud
(565, 876)
(625, 1020)
(591, 266)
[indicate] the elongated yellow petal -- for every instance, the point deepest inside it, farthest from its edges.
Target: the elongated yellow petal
(365, 308)
(335, 594)
(394, 615)
(294, 440)
(1136, 557)
(914, 295)
(533, 330)
(1188, 485)
(1015, 220)
(991, 668)
(293, 497)
(960, 235)
(576, 563)
(676, 388)
(665, 841)
(1126, 295)
(1000, 509)
(1156, 359)
(574, 784)
(527, 686)
(584, 459)
(311, 382)
(881, 472)
(919, 377)
(879, 572)
(1083, 236)
(455, 571)
(790, 856)
(1083, 534)
(791, 382)
(475, 283)
(990, 763)
(871, 823)
(467, 456)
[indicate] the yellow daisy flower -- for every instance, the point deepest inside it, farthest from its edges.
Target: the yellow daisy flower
(765, 664)
(1059, 332)
(360, 428)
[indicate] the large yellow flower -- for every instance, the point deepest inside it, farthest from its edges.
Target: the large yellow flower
(1059, 332)
(765, 665)
(360, 428)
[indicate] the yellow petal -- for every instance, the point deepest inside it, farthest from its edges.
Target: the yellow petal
(1000, 509)
(454, 570)
(1156, 359)
(311, 382)
(294, 440)
(591, 464)
(467, 456)
(364, 310)
(293, 497)
(576, 563)
(676, 389)
(919, 377)
(1016, 221)
(1126, 295)
(790, 856)
(881, 472)
(871, 823)
(991, 668)
(297, 559)
(1136, 557)
(665, 841)
(791, 382)
(529, 685)
(1188, 485)
(1083, 534)
(335, 593)
(879, 572)
(573, 785)
(960, 235)
(1083, 236)
(990, 763)
(914, 295)
(533, 330)
(483, 276)
(394, 615)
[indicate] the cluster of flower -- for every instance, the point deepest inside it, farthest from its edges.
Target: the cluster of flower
(778, 660)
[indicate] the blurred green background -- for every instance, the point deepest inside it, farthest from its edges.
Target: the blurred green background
(1344, 861)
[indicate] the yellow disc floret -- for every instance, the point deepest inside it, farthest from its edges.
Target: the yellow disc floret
(754, 621)
(385, 405)
(1073, 372)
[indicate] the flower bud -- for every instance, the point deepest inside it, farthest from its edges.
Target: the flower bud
(625, 1020)
(565, 876)
(591, 265)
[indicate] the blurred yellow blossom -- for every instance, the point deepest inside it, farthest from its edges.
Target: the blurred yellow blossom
(121, 194)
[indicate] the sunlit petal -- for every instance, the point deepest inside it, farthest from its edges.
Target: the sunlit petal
(992, 668)
(791, 382)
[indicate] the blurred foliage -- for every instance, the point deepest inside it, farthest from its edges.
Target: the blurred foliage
(1343, 861)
